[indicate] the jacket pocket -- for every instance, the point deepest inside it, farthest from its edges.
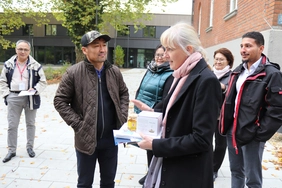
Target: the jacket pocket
(274, 96)
(246, 134)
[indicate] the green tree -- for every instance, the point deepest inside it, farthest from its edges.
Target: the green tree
(118, 56)
(80, 16)
(12, 13)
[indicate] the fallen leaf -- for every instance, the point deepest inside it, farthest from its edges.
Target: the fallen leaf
(130, 177)
(274, 175)
(264, 167)
(44, 167)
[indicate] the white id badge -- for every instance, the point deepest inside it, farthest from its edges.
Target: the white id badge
(21, 86)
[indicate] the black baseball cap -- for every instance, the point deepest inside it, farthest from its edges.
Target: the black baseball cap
(90, 36)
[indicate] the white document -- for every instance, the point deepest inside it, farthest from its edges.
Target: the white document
(26, 93)
(124, 132)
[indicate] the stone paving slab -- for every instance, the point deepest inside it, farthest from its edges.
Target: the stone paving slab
(54, 165)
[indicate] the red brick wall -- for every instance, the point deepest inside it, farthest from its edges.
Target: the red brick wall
(251, 16)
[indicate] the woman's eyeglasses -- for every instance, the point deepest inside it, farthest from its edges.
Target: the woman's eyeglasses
(220, 60)
(159, 55)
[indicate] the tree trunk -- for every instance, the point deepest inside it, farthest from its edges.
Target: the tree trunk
(79, 55)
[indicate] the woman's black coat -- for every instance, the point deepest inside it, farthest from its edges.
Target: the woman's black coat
(191, 121)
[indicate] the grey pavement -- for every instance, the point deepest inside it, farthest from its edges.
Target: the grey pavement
(54, 165)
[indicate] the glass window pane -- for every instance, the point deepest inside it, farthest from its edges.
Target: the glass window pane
(39, 54)
(51, 30)
(28, 30)
(49, 55)
(54, 30)
(149, 32)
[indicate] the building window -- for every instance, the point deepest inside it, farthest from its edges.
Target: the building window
(233, 10)
(51, 30)
(149, 32)
(28, 30)
(233, 5)
(200, 21)
(211, 17)
(211, 13)
(3, 29)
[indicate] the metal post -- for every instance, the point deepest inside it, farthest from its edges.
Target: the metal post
(127, 51)
(96, 15)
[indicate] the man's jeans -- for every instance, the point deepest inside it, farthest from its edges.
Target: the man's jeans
(245, 164)
(107, 159)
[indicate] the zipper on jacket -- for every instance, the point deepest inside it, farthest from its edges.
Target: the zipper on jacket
(221, 129)
(31, 76)
(237, 109)
(102, 106)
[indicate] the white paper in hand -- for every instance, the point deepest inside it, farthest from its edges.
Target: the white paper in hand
(26, 93)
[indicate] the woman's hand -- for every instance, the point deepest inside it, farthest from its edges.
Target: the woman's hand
(146, 142)
(223, 87)
(142, 106)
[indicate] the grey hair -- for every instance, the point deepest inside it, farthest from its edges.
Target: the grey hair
(182, 34)
(25, 41)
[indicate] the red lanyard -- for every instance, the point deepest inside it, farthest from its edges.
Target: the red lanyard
(21, 71)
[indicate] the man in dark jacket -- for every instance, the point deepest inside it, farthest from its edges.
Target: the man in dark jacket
(21, 73)
(93, 99)
(251, 112)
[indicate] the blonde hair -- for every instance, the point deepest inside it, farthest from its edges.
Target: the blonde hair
(182, 34)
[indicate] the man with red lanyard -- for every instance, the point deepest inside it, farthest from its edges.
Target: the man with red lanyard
(21, 73)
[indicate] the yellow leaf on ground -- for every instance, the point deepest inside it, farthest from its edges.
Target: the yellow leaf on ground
(264, 167)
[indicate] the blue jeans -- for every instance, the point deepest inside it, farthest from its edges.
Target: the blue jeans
(107, 159)
(245, 164)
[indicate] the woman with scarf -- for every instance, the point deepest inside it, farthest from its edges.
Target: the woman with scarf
(183, 156)
(223, 62)
(154, 86)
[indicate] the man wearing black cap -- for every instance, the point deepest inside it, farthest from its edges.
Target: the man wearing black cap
(93, 99)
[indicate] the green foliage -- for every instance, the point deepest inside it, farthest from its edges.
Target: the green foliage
(14, 11)
(56, 73)
(119, 56)
(80, 16)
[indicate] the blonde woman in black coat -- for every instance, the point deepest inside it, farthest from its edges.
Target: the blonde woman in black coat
(183, 156)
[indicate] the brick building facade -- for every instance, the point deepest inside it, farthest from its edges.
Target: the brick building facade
(221, 23)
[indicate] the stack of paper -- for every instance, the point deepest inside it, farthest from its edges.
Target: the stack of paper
(124, 135)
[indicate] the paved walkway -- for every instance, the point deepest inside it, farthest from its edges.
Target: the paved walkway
(55, 163)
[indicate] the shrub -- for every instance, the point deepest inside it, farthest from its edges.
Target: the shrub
(53, 75)
(118, 56)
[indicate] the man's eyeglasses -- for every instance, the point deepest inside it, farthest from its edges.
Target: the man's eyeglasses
(159, 55)
(23, 49)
